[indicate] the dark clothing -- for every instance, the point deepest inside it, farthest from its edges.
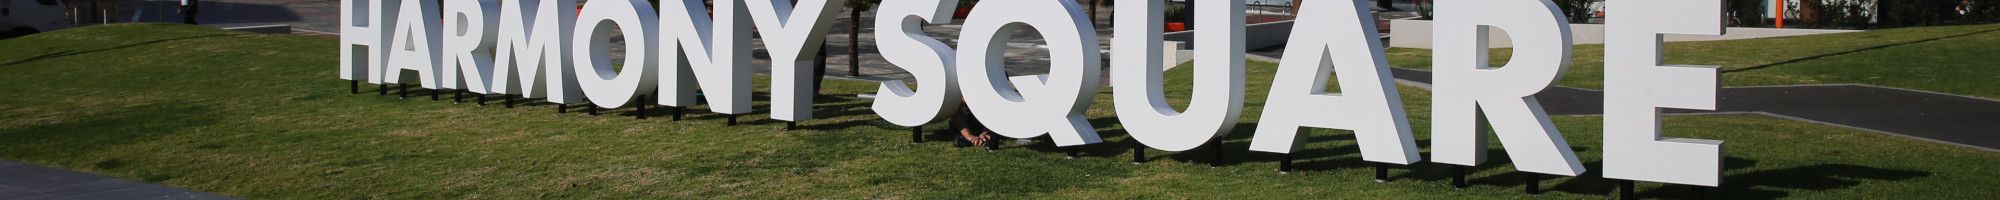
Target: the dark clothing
(962, 120)
(1387, 5)
(189, 10)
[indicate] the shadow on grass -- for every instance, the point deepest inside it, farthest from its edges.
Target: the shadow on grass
(839, 110)
(1878, 47)
(1234, 145)
(60, 54)
(87, 134)
(1763, 184)
(1817, 177)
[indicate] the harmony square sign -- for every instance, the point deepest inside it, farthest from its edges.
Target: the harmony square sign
(547, 49)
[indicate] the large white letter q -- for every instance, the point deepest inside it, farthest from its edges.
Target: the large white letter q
(1052, 103)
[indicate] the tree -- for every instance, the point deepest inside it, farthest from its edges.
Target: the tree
(855, 7)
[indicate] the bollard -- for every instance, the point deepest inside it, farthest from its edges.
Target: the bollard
(1215, 148)
(1458, 177)
(640, 105)
(1381, 172)
(1534, 184)
(1285, 163)
(1697, 192)
(1626, 190)
(1070, 152)
(917, 134)
(1138, 152)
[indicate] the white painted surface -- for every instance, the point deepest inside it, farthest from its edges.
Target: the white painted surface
(899, 25)
(1140, 100)
(1051, 104)
(604, 86)
(1466, 87)
(1347, 45)
(468, 44)
(1637, 85)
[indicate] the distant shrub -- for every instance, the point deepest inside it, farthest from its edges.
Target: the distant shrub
(1745, 13)
(1577, 11)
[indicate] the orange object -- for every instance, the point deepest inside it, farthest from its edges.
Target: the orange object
(1781, 13)
(1176, 26)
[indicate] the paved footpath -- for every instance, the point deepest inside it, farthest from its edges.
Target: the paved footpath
(24, 181)
(1945, 118)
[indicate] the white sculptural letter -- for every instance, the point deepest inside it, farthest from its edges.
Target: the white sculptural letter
(900, 36)
(793, 35)
(591, 46)
(688, 50)
(1052, 103)
(532, 58)
(1338, 38)
(1466, 87)
(1218, 75)
(468, 44)
(414, 44)
(1637, 85)
(361, 48)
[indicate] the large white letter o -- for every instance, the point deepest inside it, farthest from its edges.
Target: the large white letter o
(605, 86)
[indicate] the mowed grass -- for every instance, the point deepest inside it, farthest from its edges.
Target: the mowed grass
(263, 116)
(1947, 59)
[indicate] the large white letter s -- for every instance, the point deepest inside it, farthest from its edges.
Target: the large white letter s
(900, 36)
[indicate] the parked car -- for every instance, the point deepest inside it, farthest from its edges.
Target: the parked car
(25, 17)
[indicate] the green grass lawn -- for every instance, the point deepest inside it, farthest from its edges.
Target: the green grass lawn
(1949, 59)
(264, 116)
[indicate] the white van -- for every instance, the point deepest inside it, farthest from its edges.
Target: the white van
(24, 17)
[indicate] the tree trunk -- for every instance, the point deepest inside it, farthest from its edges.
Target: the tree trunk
(1093, 12)
(1809, 13)
(854, 42)
(819, 67)
(1113, 11)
